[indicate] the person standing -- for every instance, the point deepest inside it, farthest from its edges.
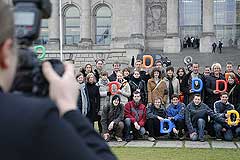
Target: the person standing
(156, 87)
(94, 99)
(187, 83)
(99, 68)
(116, 69)
(214, 46)
(212, 95)
(173, 86)
(220, 45)
(137, 84)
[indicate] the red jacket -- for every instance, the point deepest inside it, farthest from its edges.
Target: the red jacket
(135, 113)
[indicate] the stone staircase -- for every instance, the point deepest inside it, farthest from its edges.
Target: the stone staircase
(228, 54)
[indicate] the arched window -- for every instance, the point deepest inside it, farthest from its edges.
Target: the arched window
(43, 35)
(103, 25)
(71, 26)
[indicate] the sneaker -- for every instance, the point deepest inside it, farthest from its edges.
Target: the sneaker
(129, 138)
(218, 139)
(202, 140)
(151, 139)
(119, 139)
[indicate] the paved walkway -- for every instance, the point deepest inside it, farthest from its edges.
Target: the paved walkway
(176, 144)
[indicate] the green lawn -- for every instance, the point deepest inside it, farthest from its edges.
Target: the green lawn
(130, 153)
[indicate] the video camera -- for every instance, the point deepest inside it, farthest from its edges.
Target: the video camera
(29, 78)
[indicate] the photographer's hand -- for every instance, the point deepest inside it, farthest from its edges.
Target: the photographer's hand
(62, 90)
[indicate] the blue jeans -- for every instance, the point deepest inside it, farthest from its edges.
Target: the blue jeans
(228, 135)
(130, 127)
(199, 130)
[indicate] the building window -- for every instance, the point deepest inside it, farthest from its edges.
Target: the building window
(71, 26)
(227, 21)
(103, 25)
(43, 36)
(190, 17)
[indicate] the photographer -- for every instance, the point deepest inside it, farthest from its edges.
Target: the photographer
(31, 127)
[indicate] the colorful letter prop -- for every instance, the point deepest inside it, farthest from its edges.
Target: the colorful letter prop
(114, 87)
(145, 57)
(218, 82)
(230, 122)
(170, 126)
(43, 49)
(199, 82)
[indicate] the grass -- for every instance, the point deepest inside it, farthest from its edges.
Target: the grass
(131, 153)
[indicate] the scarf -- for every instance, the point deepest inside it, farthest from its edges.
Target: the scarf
(84, 99)
(170, 88)
(103, 82)
(136, 80)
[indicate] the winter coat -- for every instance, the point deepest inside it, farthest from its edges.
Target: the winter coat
(94, 98)
(176, 87)
(141, 85)
(153, 112)
(160, 91)
(210, 87)
(111, 113)
(186, 86)
(143, 75)
(234, 95)
(176, 111)
(104, 98)
(221, 109)
(83, 99)
(135, 113)
(194, 112)
(112, 77)
(125, 92)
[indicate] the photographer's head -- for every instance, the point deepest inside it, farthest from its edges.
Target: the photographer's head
(8, 53)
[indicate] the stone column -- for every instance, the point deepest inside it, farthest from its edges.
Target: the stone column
(208, 35)
(136, 43)
(86, 22)
(172, 40)
(53, 23)
(137, 19)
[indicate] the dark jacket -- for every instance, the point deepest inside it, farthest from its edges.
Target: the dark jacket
(153, 112)
(194, 112)
(176, 111)
(186, 85)
(94, 99)
(33, 130)
(135, 113)
(234, 94)
(81, 96)
(141, 85)
(210, 81)
(221, 109)
(111, 113)
(112, 77)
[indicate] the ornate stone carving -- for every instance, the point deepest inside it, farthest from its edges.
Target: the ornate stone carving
(156, 17)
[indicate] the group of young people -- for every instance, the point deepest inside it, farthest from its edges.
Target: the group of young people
(144, 98)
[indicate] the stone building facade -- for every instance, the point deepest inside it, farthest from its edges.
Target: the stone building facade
(119, 29)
